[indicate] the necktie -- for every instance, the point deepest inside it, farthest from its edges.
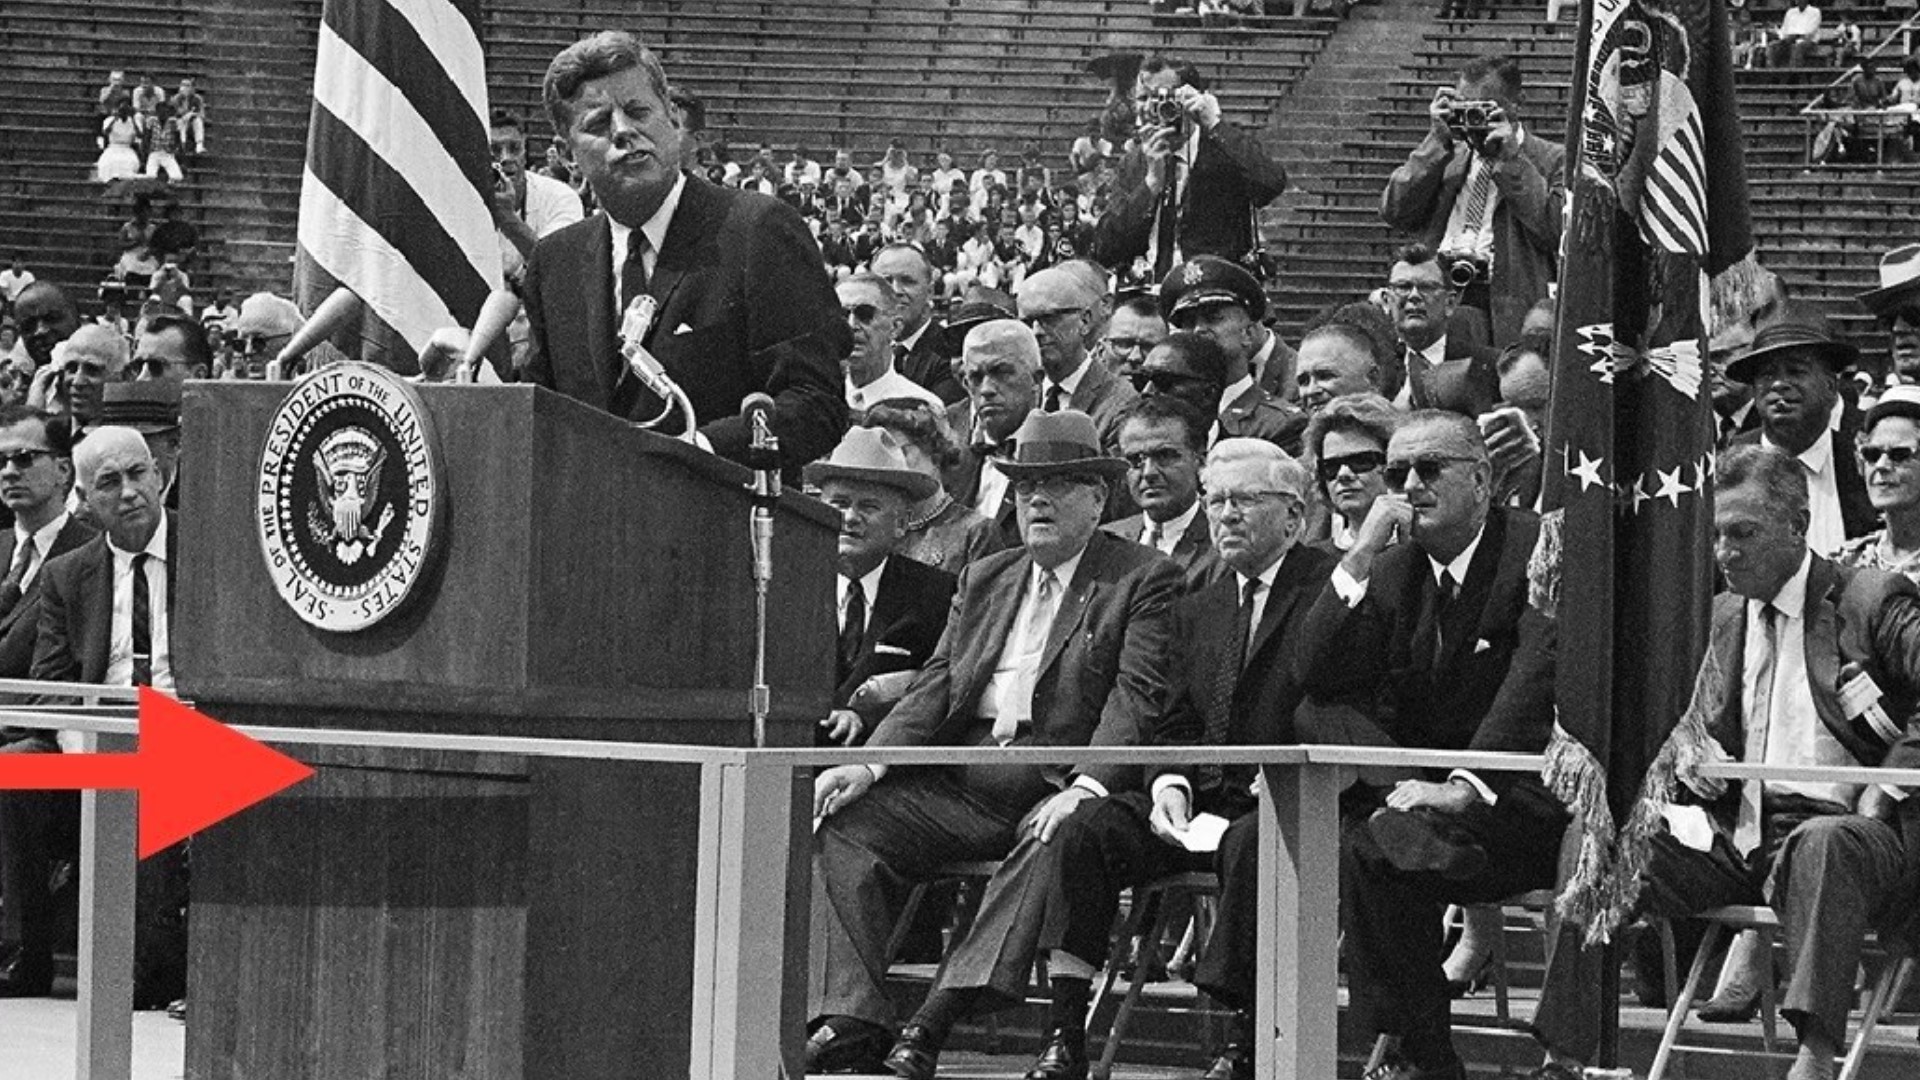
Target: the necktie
(1226, 678)
(1443, 602)
(1417, 366)
(16, 575)
(633, 275)
(142, 622)
(1152, 538)
(900, 354)
(1479, 191)
(1746, 827)
(1052, 403)
(853, 627)
(1244, 623)
(1167, 224)
(1032, 639)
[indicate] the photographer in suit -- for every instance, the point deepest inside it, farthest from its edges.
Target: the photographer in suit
(1192, 181)
(1482, 189)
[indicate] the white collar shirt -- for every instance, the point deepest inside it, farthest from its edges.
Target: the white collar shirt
(120, 638)
(42, 542)
(1008, 697)
(654, 229)
(1791, 732)
(869, 588)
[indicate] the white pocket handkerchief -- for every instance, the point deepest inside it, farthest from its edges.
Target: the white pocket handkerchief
(1481, 646)
(683, 328)
(883, 649)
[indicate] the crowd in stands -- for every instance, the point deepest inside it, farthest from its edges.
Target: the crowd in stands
(143, 131)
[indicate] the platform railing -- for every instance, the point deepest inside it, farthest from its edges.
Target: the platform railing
(747, 813)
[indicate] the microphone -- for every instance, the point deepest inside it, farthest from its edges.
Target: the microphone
(763, 456)
(634, 325)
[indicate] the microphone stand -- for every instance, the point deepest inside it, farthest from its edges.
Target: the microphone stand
(765, 447)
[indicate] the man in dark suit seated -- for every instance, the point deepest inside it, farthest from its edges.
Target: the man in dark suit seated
(1808, 663)
(104, 619)
(1235, 683)
(36, 472)
(745, 305)
(890, 609)
(1794, 368)
(1065, 642)
(1223, 303)
(920, 341)
(1065, 312)
(1000, 367)
(1163, 441)
(1426, 619)
(1441, 370)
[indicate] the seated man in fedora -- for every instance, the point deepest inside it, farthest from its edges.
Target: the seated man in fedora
(890, 609)
(1794, 368)
(1063, 642)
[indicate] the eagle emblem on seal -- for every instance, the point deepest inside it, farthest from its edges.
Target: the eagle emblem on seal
(347, 482)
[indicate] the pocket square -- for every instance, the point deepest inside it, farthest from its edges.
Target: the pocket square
(884, 649)
(683, 328)
(1481, 646)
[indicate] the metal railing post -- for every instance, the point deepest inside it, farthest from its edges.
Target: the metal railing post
(108, 840)
(1296, 968)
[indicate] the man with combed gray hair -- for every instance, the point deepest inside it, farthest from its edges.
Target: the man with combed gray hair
(1061, 896)
(94, 356)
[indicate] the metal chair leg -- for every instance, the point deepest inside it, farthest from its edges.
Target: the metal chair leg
(1680, 1006)
(1886, 991)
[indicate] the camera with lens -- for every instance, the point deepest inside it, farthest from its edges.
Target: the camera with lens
(1464, 268)
(1162, 108)
(1472, 120)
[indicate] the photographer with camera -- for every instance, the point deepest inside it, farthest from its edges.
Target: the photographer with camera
(1486, 196)
(1190, 183)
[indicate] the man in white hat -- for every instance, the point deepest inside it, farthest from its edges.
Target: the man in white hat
(890, 610)
(1064, 642)
(1897, 305)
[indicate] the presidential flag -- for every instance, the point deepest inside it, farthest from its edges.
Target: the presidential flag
(1658, 250)
(394, 200)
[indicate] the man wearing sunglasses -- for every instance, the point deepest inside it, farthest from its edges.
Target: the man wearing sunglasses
(1794, 368)
(172, 347)
(1424, 620)
(1193, 368)
(1896, 303)
(872, 309)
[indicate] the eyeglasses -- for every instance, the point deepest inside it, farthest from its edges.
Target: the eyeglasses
(1127, 345)
(1895, 455)
(1219, 502)
(1039, 317)
(863, 314)
(1162, 382)
(1428, 469)
(1424, 288)
(1359, 464)
(1053, 487)
(153, 367)
(1165, 457)
(23, 459)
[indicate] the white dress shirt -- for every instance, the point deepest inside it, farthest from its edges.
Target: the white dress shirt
(654, 229)
(1435, 355)
(1791, 732)
(1009, 692)
(892, 384)
(1068, 385)
(1827, 529)
(120, 639)
(42, 542)
(869, 588)
(1170, 531)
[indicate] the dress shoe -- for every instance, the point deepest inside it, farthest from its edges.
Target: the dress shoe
(915, 1054)
(1061, 1060)
(845, 1045)
(1425, 841)
(1730, 1007)
(28, 973)
(1234, 1063)
(1482, 975)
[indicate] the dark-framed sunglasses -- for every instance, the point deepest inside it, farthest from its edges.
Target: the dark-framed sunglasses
(1162, 382)
(1359, 464)
(1895, 455)
(864, 314)
(23, 459)
(1428, 469)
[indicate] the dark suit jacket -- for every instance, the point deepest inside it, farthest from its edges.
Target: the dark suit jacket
(1103, 675)
(745, 307)
(1260, 709)
(1232, 177)
(1857, 515)
(20, 626)
(1466, 382)
(930, 364)
(1853, 616)
(905, 618)
(1526, 224)
(1103, 396)
(76, 611)
(1193, 552)
(962, 480)
(1257, 414)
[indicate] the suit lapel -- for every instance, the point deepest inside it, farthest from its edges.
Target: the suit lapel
(1821, 644)
(96, 586)
(689, 230)
(1462, 618)
(1193, 541)
(1092, 387)
(1073, 605)
(603, 331)
(995, 625)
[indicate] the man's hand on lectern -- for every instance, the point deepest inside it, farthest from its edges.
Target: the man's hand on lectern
(839, 786)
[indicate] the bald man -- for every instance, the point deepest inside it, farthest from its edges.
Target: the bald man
(1062, 307)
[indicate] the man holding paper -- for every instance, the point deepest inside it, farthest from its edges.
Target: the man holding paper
(1235, 684)
(1808, 663)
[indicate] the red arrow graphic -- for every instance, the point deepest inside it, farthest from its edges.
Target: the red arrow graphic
(191, 771)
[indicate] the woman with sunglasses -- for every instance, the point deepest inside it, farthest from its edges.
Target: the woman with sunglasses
(1889, 452)
(1347, 443)
(941, 531)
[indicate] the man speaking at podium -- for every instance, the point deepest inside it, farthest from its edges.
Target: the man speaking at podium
(744, 302)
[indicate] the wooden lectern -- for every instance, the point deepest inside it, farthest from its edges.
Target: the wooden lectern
(410, 915)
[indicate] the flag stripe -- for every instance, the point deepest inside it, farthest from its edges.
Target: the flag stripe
(425, 185)
(379, 273)
(363, 182)
(390, 68)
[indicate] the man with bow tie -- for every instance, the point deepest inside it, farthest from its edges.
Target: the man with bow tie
(1000, 368)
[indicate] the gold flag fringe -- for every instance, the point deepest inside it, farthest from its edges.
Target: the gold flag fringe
(1738, 291)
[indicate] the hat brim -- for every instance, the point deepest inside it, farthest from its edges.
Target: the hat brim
(1107, 468)
(1880, 300)
(915, 486)
(1220, 297)
(1835, 354)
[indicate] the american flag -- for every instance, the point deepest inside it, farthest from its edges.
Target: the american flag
(394, 200)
